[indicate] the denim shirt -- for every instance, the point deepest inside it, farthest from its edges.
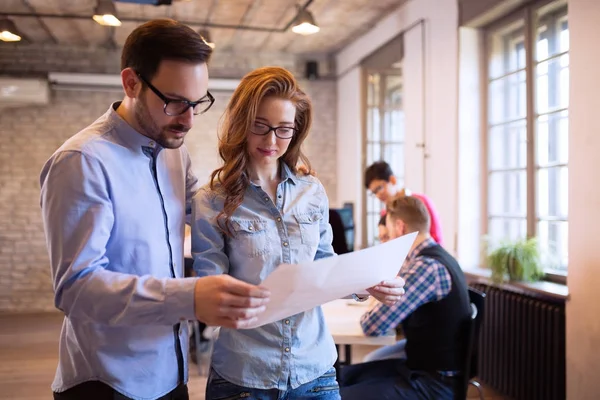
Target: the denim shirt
(114, 206)
(294, 229)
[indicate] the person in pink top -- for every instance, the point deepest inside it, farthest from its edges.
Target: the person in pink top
(380, 180)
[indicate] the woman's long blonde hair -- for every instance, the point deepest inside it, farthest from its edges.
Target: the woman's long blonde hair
(231, 180)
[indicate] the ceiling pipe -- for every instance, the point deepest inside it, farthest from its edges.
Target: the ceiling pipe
(202, 24)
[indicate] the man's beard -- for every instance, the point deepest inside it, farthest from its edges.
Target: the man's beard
(152, 130)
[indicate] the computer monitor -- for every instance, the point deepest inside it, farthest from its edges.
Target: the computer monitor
(342, 225)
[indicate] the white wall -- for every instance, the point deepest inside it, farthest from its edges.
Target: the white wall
(349, 143)
(437, 174)
(470, 167)
(583, 309)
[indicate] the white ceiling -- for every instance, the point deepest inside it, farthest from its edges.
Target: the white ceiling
(340, 21)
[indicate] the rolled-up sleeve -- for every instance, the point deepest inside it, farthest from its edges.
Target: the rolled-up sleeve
(208, 242)
(325, 248)
(191, 186)
(78, 219)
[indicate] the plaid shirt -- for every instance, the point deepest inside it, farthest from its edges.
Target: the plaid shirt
(426, 280)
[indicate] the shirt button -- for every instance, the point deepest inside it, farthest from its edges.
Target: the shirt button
(287, 349)
(250, 228)
(287, 321)
(266, 199)
(151, 144)
(285, 243)
(278, 219)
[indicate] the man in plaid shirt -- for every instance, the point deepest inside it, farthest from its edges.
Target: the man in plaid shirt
(431, 313)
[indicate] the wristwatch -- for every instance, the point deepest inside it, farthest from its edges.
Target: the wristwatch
(360, 299)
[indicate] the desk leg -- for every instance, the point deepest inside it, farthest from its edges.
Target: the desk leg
(347, 359)
(337, 363)
(348, 354)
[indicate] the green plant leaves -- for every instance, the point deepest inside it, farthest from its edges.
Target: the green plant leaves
(516, 260)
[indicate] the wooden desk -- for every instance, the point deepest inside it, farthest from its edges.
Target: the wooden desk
(343, 320)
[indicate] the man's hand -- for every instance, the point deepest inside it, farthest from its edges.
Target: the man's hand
(222, 300)
(388, 292)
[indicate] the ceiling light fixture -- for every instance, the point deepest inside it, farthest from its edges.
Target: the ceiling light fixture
(8, 31)
(205, 35)
(305, 23)
(106, 14)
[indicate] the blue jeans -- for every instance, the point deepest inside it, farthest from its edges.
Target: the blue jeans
(396, 350)
(391, 379)
(323, 388)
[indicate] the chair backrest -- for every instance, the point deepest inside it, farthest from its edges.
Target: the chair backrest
(339, 242)
(478, 300)
(471, 337)
(342, 226)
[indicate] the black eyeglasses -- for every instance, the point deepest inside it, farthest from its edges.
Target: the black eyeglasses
(377, 189)
(282, 132)
(174, 107)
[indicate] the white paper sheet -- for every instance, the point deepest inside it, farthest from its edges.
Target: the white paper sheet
(300, 287)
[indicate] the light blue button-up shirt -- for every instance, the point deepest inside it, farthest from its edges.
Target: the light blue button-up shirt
(294, 229)
(114, 206)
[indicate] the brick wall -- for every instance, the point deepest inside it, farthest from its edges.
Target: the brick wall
(18, 59)
(29, 135)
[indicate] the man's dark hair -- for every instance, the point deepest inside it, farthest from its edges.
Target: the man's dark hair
(378, 170)
(382, 221)
(162, 39)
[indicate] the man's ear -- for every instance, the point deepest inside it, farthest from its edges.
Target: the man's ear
(131, 82)
(401, 227)
(393, 180)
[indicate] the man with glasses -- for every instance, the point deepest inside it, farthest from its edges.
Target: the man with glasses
(114, 199)
(381, 183)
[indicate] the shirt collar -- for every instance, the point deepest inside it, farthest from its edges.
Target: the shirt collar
(132, 138)
(422, 246)
(286, 173)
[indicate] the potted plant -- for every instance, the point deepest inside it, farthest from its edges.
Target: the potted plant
(519, 260)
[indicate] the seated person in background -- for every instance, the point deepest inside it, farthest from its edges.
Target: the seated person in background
(380, 180)
(432, 314)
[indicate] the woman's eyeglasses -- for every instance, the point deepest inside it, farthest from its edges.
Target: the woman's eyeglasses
(282, 132)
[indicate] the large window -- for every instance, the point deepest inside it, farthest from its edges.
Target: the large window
(384, 136)
(527, 130)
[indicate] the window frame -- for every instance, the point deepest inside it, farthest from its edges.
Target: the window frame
(366, 197)
(528, 14)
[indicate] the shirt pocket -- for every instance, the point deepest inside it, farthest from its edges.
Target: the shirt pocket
(309, 227)
(250, 238)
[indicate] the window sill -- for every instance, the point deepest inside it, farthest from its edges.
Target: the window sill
(545, 289)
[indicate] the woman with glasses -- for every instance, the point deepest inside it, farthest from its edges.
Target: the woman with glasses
(259, 212)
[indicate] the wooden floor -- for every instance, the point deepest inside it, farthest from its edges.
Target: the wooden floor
(29, 353)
